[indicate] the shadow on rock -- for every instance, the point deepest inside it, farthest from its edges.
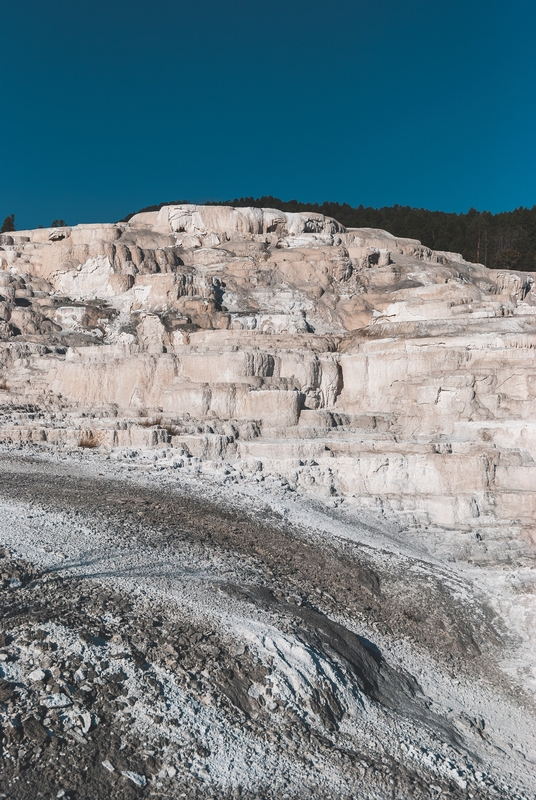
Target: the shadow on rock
(372, 675)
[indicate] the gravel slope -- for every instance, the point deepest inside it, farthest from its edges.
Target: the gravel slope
(174, 636)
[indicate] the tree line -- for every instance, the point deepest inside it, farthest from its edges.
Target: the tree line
(9, 226)
(500, 241)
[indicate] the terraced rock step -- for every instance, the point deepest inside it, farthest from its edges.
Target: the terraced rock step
(379, 394)
(249, 324)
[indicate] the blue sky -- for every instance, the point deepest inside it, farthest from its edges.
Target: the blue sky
(110, 106)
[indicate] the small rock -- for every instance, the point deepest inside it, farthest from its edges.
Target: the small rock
(37, 675)
(80, 675)
(6, 690)
(57, 701)
(77, 736)
(135, 777)
(35, 730)
(108, 765)
(85, 721)
(15, 583)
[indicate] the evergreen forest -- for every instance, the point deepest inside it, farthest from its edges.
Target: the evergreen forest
(500, 241)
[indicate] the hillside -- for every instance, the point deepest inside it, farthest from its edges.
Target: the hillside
(267, 504)
(499, 241)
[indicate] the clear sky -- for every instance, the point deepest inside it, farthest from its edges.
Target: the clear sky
(110, 105)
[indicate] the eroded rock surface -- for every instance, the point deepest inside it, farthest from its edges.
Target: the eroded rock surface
(350, 362)
(284, 353)
(155, 642)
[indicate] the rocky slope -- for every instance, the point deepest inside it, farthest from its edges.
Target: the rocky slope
(168, 636)
(406, 375)
(336, 371)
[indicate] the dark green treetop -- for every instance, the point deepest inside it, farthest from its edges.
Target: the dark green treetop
(8, 225)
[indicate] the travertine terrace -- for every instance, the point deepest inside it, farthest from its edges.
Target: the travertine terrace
(349, 362)
(267, 510)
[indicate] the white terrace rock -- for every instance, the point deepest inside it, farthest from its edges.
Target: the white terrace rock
(349, 362)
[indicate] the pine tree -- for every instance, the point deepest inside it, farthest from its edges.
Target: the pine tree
(8, 225)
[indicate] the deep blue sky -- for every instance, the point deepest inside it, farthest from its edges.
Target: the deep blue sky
(108, 106)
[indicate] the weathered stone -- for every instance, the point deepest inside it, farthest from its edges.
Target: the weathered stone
(405, 375)
(35, 730)
(37, 675)
(57, 700)
(135, 777)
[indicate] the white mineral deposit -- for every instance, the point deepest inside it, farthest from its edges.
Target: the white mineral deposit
(268, 501)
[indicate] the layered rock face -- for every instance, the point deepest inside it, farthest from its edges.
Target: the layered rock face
(348, 362)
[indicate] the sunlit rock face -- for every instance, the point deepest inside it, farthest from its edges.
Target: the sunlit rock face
(349, 362)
